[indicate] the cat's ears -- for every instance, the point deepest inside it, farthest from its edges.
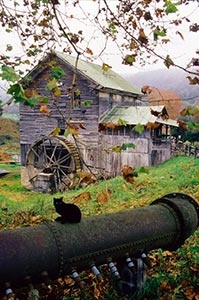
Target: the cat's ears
(61, 198)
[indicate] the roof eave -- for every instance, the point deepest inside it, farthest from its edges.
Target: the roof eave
(118, 91)
(168, 122)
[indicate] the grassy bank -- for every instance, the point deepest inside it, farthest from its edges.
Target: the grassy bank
(180, 174)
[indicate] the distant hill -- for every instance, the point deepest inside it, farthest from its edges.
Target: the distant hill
(4, 97)
(169, 79)
(11, 109)
(9, 140)
(9, 128)
(159, 96)
(3, 91)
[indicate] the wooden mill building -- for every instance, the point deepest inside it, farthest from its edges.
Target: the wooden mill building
(106, 110)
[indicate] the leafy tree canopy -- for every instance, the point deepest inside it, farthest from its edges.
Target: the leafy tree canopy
(138, 28)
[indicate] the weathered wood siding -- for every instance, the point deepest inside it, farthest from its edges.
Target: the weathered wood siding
(159, 154)
(33, 125)
(145, 152)
(109, 100)
(113, 162)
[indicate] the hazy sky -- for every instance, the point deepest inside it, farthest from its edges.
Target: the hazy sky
(180, 50)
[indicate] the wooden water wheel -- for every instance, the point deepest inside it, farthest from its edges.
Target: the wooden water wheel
(56, 161)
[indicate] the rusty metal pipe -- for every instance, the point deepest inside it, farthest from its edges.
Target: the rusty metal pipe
(58, 248)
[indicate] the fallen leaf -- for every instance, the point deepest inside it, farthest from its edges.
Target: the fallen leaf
(127, 172)
(83, 197)
(85, 179)
(104, 196)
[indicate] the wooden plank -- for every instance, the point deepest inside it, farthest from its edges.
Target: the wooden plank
(4, 172)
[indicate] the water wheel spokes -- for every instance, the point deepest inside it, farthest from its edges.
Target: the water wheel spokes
(56, 156)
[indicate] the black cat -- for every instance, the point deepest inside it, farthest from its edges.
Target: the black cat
(70, 213)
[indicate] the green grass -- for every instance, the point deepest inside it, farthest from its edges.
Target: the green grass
(172, 275)
(180, 174)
